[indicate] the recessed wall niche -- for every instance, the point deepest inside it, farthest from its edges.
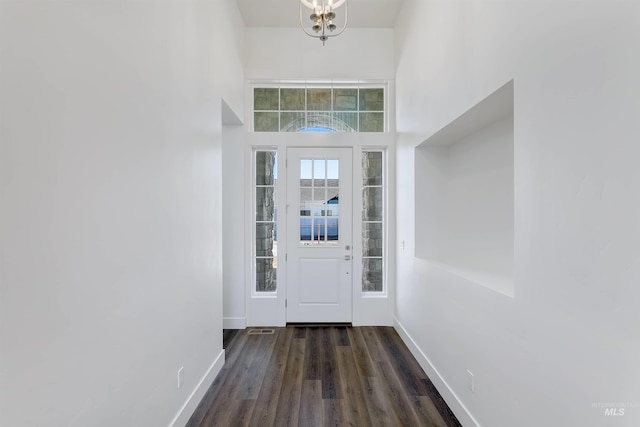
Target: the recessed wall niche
(465, 194)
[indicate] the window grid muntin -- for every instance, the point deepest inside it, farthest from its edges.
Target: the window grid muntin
(359, 111)
(323, 217)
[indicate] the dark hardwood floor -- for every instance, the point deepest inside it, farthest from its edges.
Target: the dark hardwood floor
(321, 376)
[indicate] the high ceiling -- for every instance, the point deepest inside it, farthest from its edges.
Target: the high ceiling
(285, 13)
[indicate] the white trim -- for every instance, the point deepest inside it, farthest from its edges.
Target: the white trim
(456, 405)
(384, 222)
(234, 322)
(182, 417)
(266, 308)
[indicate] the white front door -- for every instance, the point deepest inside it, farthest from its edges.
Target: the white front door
(319, 230)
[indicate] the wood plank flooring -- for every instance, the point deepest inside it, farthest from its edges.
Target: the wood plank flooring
(321, 376)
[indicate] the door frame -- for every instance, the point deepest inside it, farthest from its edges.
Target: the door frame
(367, 308)
(340, 308)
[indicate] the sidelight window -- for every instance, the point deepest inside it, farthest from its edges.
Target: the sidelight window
(373, 196)
(266, 235)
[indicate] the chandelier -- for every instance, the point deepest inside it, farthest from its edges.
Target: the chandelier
(322, 16)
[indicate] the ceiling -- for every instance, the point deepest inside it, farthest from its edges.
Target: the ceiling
(285, 13)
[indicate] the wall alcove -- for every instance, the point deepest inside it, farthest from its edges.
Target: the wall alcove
(465, 194)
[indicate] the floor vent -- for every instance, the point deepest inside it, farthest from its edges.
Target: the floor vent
(261, 331)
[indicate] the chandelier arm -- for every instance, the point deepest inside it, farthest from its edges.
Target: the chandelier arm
(346, 19)
(302, 25)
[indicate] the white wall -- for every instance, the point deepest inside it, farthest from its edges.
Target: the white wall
(235, 180)
(569, 339)
(287, 53)
(110, 192)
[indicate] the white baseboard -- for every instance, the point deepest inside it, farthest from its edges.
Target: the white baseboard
(456, 406)
(182, 417)
(234, 322)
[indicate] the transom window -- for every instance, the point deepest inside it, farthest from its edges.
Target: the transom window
(319, 109)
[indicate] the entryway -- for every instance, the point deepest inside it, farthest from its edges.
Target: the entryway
(317, 233)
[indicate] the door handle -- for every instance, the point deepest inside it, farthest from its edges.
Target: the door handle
(347, 257)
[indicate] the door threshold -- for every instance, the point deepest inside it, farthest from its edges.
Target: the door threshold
(319, 324)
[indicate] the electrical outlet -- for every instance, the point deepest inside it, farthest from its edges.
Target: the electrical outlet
(471, 381)
(180, 376)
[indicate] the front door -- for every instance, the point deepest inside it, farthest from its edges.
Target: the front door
(319, 230)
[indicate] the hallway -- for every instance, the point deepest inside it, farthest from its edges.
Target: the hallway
(135, 229)
(318, 376)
